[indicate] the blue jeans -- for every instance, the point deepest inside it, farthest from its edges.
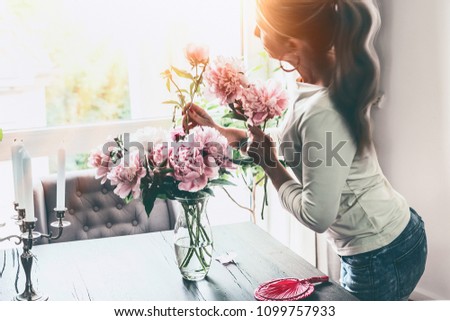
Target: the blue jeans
(391, 272)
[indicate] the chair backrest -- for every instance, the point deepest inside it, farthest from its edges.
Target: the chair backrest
(94, 211)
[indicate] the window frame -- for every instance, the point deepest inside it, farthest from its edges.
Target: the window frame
(41, 142)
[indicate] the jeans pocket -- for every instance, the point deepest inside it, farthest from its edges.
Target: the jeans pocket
(356, 277)
(410, 267)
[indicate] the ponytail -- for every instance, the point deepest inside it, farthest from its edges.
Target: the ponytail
(355, 83)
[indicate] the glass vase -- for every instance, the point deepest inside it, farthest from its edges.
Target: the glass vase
(193, 238)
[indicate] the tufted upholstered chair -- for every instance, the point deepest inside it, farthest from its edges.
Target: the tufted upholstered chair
(95, 211)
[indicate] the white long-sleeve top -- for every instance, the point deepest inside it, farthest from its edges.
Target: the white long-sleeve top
(338, 192)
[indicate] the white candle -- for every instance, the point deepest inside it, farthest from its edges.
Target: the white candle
(17, 150)
(61, 180)
(28, 188)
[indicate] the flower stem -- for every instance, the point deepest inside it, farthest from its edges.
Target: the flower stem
(241, 206)
(246, 183)
(265, 201)
(196, 231)
(182, 101)
(198, 81)
(189, 228)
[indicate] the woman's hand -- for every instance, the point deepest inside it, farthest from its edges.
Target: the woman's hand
(197, 116)
(263, 151)
(262, 148)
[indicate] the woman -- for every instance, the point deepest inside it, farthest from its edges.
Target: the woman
(340, 188)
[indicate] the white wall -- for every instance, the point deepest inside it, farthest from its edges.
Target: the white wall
(412, 130)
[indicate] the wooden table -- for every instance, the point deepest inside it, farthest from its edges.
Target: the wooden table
(143, 267)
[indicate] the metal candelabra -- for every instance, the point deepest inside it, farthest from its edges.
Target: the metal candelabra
(28, 237)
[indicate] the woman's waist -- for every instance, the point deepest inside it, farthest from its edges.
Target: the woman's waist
(404, 235)
(367, 223)
(362, 184)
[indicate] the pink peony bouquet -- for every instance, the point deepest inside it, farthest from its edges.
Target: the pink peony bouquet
(185, 165)
(256, 103)
(225, 80)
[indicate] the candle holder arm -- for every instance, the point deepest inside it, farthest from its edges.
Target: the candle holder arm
(50, 235)
(8, 238)
(60, 224)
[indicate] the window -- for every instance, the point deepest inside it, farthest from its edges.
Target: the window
(89, 69)
(77, 62)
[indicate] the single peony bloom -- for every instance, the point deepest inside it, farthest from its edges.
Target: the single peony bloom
(188, 166)
(225, 79)
(214, 147)
(102, 163)
(196, 54)
(128, 177)
(148, 137)
(264, 101)
(193, 182)
(198, 158)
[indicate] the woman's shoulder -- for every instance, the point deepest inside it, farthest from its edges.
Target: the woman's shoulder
(320, 107)
(319, 116)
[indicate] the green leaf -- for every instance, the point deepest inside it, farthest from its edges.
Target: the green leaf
(224, 171)
(221, 181)
(234, 115)
(283, 162)
(182, 73)
(212, 107)
(209, 191)
(229, 115)
(263, 54)
(163, 163)
(259, 178)
(166, 170)
(1, 134)
(171, 102)
(254, 69)
(149, 197)
(129, 198)
(243, 161)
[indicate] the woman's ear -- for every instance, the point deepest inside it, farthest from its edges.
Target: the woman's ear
(295, 44)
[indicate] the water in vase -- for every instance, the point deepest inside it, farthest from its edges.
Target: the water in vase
(193, 261)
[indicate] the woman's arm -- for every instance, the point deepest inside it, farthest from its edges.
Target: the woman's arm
(327, 154)
(234, 136)
(199, 117)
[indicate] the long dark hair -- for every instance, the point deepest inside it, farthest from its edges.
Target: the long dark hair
(349, 28)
